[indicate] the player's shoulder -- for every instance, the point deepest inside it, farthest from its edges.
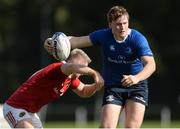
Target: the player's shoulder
(54, 65)
(102, 31)
(101, 34)
(136, 35)
(57, 63)
(135, 32)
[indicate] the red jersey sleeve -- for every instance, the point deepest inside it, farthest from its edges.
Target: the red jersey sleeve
(75, 83)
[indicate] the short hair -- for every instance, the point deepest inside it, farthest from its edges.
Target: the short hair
(76, 52)
(116, 12)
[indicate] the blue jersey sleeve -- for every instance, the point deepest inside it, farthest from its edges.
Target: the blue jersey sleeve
(99, 37)
(142, 46)
(94, 37)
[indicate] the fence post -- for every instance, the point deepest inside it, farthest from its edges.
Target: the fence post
(81, 116)
(165, 117)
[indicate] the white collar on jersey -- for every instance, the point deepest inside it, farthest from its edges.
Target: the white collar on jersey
(120, 41)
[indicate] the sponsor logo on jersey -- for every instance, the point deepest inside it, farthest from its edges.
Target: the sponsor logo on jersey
(120, 61)
(60, 90)
(121, 57)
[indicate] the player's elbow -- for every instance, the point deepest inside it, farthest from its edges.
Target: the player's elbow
(153, 67)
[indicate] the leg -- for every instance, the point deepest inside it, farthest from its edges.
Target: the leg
(110, 116)
(26, 123)
(134, 112)
(36, 121)
(33, 122)
(17, 118)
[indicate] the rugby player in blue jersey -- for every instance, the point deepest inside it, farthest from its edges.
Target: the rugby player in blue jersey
(127, 63)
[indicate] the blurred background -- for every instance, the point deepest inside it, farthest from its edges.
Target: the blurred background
(25, 24)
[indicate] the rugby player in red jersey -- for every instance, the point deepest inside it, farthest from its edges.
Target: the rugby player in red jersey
(47, 85)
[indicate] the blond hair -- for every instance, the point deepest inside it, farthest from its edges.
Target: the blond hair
(77, 52)
(116, 12)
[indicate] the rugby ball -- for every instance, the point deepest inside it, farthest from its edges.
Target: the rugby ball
(61, 46)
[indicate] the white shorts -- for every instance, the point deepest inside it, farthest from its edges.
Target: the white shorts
(14, 115)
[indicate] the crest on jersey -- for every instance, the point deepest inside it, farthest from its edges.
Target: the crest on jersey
(128, 50)
(21, 114)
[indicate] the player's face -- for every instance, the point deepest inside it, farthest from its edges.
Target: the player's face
(120, 27)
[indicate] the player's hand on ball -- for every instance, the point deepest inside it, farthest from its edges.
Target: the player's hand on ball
(129, 80)
(48, 45)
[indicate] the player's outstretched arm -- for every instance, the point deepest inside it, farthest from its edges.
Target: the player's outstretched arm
(87, 90)
(76, 42)
(71, 68)
(79, 42)
(84, 90)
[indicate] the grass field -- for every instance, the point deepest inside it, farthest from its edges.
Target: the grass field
(146, 124)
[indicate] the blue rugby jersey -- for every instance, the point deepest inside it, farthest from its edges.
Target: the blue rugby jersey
(120, 58)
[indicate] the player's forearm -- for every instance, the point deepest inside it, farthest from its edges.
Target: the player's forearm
(79, 42)
(147, 71)
(88, 90)
(84, 70)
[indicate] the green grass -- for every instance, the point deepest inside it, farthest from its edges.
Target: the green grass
(146, 124)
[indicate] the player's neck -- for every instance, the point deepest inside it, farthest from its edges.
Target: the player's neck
(122, 39)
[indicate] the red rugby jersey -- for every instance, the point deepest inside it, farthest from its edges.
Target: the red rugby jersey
(41, 88)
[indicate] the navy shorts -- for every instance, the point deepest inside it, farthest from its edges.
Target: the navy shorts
(119, 94)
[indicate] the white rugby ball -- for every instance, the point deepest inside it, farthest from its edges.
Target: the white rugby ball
(61, 46)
